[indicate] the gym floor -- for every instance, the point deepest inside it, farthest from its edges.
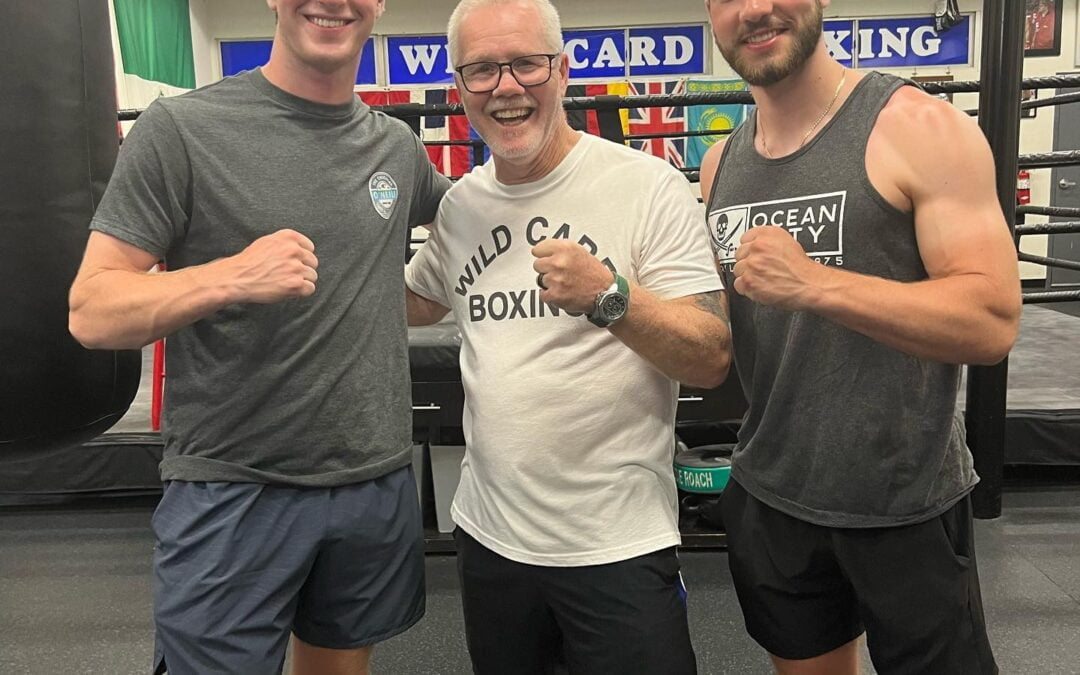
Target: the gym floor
(75, 593)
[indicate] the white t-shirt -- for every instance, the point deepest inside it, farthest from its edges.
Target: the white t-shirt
(569, 434)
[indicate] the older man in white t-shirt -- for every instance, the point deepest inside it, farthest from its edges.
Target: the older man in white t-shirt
(579, 274)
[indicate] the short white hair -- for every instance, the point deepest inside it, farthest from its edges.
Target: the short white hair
(550, 25)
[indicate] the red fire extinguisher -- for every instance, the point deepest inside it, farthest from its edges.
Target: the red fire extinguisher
(1023, 187)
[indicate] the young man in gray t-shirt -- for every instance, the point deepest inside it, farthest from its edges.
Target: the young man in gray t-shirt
(280, 203)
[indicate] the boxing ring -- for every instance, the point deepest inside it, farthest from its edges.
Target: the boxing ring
(1037, 421)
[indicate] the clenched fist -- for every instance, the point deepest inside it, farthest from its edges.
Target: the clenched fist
(570, 276)
(771, 268)
(276, 267)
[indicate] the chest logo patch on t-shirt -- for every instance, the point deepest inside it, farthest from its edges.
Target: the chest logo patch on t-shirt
(815, 221)
(384, 193)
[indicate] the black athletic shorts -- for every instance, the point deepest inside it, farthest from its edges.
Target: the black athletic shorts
(806, 590)
(619, 618)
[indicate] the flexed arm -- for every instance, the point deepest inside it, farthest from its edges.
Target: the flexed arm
(115, 303)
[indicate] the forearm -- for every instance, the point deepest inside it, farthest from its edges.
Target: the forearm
(687, 339)
(422, 312)
(119, 309)
(966, 318)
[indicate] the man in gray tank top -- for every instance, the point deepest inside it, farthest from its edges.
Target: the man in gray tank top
(281, 204)
(856, 226)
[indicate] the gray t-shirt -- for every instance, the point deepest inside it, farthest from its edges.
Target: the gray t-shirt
(309, 391)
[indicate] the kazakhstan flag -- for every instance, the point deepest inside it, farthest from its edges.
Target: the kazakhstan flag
(711, 117)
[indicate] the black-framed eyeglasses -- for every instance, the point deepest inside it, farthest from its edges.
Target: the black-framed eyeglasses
(529, 71)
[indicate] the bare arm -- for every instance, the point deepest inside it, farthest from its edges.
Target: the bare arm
(687, 339)
(115, 303)
(968, 310)
(709, 164)
(421, 311)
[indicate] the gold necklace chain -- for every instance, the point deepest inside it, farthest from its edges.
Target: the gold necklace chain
(836, 95)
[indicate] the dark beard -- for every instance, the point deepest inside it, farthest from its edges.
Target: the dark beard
(806, 36)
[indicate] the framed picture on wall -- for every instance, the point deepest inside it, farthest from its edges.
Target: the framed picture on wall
(1042, 27)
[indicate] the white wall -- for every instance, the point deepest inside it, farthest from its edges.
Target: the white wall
(204, 47)
(214, 20)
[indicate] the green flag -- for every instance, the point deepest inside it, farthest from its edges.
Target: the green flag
(155, 40)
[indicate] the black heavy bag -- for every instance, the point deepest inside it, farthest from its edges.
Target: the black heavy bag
(58, 145)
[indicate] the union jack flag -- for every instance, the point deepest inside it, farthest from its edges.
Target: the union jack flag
(660, 121)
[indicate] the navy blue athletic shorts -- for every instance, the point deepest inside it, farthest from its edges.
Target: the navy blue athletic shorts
(237, 566)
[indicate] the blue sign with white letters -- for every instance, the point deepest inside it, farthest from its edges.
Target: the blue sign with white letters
(840, 41)
(897, 43)
(418, 60)
(600, 54)
(889, 43)
(671, 50)
(240, 55)
(596, 53)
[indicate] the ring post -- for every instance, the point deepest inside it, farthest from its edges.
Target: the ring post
(999, 117)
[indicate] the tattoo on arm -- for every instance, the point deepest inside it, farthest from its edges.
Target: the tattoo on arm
(710, 302)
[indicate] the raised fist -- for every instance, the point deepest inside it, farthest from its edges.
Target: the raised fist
(276, 267)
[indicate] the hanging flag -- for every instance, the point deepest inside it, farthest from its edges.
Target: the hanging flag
(718, 117)
(155, 41)
(586, 120)
(381, 97)
(661, 120)
(450, 160)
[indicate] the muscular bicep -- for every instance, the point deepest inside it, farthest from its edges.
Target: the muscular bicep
(959, 224)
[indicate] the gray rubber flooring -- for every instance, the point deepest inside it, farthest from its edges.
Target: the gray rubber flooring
(1044, 366)
(75, 594)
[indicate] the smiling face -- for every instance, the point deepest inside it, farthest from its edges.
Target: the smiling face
(765, 42)
(516, 122)
(326, 36)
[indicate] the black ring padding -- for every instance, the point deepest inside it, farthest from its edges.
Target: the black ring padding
(1046, 160)
(1060, 263)
(1057, 211)
(611, 102)
(1039, 297)
(401, 110)
(677, 134)
(476, 141)
(974, 86)
(1066, 227)
(1061, 99)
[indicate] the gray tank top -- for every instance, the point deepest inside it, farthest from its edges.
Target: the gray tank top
(841, 430)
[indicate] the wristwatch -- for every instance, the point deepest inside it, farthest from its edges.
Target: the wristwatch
(612, 303)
